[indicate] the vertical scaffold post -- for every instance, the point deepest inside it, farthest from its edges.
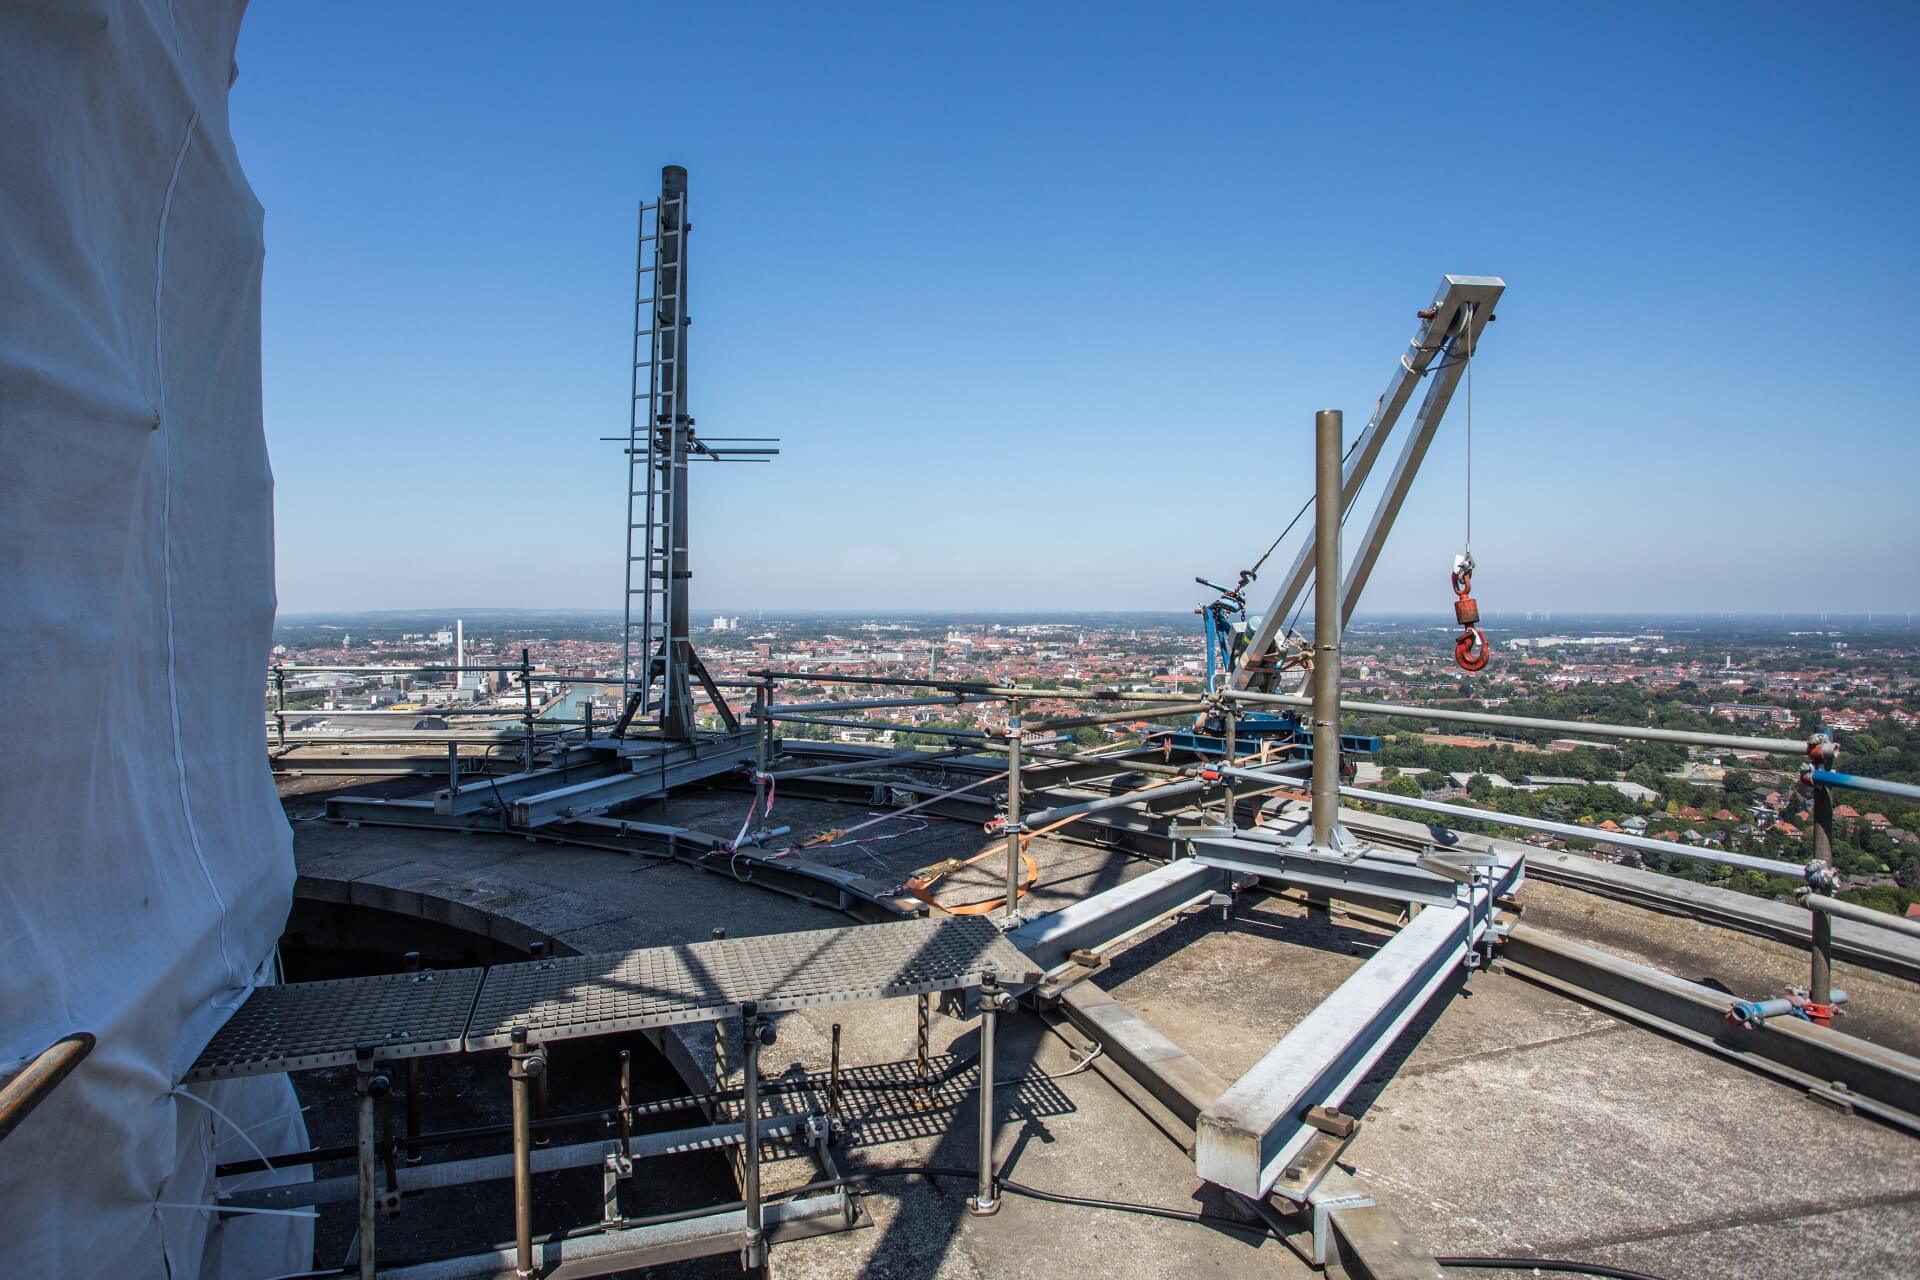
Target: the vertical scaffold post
(762, 696)
(757, 1033)
(1233, 726)
(626, 1104)
(1327, 429)
(543, 1082)
(1820, 988)
(524, 1065)
(923, 1052)
(833, 1079)
(413, 1081)
(526, 685)
(985, 1200)
(1014, 829)
(280, 702)
(673, 426)
(368, 1085)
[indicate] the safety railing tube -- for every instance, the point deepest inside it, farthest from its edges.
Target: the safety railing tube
(869, 704)
(1113, 717)
(1754, 1013)
(1450, 715)
(910, 757)
(1873, 786)
(1821, 904)
(1015, 733)
(837, 722)
(1126, 799)
(1772, 866)
(31, 1085)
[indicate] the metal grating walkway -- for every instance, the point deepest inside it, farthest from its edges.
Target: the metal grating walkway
(306, 1025)
(591, 995)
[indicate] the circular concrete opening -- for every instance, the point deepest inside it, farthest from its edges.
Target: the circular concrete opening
(464, 1098)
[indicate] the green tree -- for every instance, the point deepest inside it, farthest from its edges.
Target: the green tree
(1908, 876)
(1480, 787)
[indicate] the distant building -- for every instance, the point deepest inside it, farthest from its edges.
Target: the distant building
(1752, 711)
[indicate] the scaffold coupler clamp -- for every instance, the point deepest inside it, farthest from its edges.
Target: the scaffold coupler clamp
(1822, 877)
(1822, 751)
(1470, 649)
(1752, 1015)
(1821, 1015)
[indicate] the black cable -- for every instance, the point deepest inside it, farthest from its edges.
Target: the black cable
(1054, 1197)
(1254, 572)
(486, 763)
(1547, 1264)
(1150, 1210)
(1236, 1224)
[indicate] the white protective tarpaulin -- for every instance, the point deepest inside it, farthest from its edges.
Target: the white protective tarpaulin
(145, 865)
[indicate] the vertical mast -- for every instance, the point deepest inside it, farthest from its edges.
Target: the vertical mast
(673, 427)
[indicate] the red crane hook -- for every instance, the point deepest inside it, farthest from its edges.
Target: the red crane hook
(1470, 651)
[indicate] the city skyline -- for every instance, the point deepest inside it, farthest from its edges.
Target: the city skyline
(1043, 321)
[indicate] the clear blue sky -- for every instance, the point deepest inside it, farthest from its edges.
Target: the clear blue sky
(1042, 298)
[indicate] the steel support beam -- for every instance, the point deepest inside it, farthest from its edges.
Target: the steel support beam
(488, 796)
(1081, 809)
(1094, 923)
(1375, 875)
(584, 799)
(1249, 1135)
(1174, 1078)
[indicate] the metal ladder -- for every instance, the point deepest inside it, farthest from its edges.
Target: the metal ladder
(651, 440)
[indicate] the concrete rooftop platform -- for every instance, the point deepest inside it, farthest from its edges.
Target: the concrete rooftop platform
(1510, 1120)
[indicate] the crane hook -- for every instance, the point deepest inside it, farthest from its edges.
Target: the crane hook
(1470, 649)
